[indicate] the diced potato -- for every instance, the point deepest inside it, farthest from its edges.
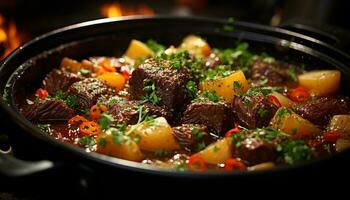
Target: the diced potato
(321, 82)
(138, 49)
(113, 79)
(127, 150)
(227, 87)
(342, 144)
(156, 135)
(291, 123)
(75, 66)
(196, 46)
(217, 152)
(262, 166)
(285, 101)
(340, 124)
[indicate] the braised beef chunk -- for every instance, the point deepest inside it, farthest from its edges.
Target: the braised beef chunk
(216, 116)
(273, 74)
(255, 151)
(319, 111)
(192, 136)
(127, 112)
(88, 91)
(253, 111)
(170, 84)
(47, 111)
(58, 80)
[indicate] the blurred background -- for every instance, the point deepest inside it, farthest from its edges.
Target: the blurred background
(22, 20)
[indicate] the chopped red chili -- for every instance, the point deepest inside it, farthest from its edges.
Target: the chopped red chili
(299, 94)
(232, 164)
(89, 128)
(275, 101)
(331, 136)
(41, 93)
(232, 131)
(77, 119)
(196, 163)
(96, 111)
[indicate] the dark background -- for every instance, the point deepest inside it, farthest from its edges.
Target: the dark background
(329, 17)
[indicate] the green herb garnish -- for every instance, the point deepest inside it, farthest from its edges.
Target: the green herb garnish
(155, 46)
(150, 90)
(293, 151)
(192, 90)
(105, 121)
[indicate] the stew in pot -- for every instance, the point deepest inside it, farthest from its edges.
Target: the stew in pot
(194, 107)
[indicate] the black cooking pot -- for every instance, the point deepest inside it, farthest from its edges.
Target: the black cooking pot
(22, 72)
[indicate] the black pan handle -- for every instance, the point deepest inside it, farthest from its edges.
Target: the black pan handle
(13, 168)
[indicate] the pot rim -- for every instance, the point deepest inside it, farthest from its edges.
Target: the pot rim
(139, 167)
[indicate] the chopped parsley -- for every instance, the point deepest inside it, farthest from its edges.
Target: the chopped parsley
(102, 142)
(118, 136)
(162, 153)
(181, 166)
(238, 138)
(155, 46)
(150, 90)
(227, 27)
(261, 90)
(85, 72)
(283, 112)
(216, 149)
(70, 100)
(263, 81)
(293, 151)
(198, 133)
(211, 96)
(218, 72)
(192, 90)
(237, 57)
(105, 121)
(200, 146)
(86, 142)
(263, 112)
(236, 86)
(293, 74)
(44, 127)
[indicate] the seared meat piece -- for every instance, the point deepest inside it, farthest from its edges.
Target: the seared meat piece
(58, 80)
(217, 116)
(255, 151)
(88, 91)
(170, 83)
(125, 111)
(253, 111)
(189, 136)
(320, 111)
(47, 111)
(276, 73)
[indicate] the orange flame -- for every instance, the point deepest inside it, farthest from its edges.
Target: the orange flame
(9, 37)
(117, 10)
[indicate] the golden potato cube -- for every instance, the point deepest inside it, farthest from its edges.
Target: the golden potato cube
(157, 135)
(113, 79)
(340, 124)
(227, 87)
(138, 49)
(321, 82)
(217, 152)
(291, 123)
(196, 46)
(127, 150)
